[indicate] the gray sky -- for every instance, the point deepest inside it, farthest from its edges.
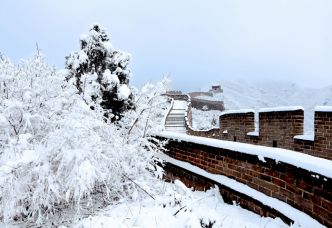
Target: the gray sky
(196, 42)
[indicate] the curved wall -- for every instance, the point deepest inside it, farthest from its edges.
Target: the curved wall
(305, 190)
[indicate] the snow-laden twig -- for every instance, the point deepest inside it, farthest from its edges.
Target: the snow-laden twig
(138, 186)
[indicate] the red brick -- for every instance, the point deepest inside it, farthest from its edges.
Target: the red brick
(313, 198)
(322, 213)
(278, 182)
(327, 205)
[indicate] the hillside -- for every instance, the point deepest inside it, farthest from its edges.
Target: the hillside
(244, 94)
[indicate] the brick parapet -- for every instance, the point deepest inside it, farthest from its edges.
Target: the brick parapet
(235, 126)
(307, 191)
(279, 128)
(276, 129)
(200, 183)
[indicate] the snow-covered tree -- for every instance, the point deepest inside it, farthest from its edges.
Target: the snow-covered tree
(56, 152)
(100, 73)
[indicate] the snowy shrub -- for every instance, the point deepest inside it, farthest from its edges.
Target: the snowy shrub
(100, 73)
(56, 151)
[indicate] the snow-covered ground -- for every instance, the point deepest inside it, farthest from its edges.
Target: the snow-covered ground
(177, 206)
(203, 120)
(256, 95)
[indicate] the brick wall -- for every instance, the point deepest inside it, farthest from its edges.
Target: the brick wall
(182, 97)
(302, 189)
(207, 105)
(276, 129)
(212, 133)
(200, 183)
(322, 144)
(279, 128)
(237, 125)
(196, 94)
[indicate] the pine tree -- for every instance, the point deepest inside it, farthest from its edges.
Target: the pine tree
(100, 73)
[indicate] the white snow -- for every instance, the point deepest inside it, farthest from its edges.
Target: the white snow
(210, 98)
(82, 57)
(281, 109)
(168, 111)
(301, 219)
(108, 46)
(213, 97)
(323, 108)
(205, 120)
(308, 137)
(110, 78)
(297, 159)
(239, 111)
(56, 152)
(253, 133)
(124, 92)
(178, 104)
(175, 120)
(177, 206)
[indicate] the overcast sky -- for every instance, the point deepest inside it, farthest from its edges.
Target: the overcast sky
(196, 42)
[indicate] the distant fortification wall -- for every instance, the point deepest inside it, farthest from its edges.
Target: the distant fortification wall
(178, 96)
(205, 105)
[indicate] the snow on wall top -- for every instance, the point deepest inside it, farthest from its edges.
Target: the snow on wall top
(240, 111)
(308, 137)
(296, 215)
(168, 111)
(253, 133)
(323, 109)
(297, 159)
(281, 109)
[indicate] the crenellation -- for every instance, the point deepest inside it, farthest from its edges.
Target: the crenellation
(278, 127)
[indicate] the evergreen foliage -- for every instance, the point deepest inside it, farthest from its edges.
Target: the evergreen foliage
(100, 73)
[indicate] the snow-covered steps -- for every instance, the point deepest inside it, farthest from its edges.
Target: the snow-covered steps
(176, 129)
(175, 119)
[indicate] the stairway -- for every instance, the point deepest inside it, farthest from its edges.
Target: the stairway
(175, 120)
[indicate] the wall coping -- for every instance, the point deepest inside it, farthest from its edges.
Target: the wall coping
(284, 208)
(281, 109)
(307, 137)
(253, 133)
(239, 111)
(205, 130)
(317, 165)
(323, 109)
(168, 111)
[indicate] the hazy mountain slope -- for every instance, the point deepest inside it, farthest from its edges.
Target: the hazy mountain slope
(244, 94)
